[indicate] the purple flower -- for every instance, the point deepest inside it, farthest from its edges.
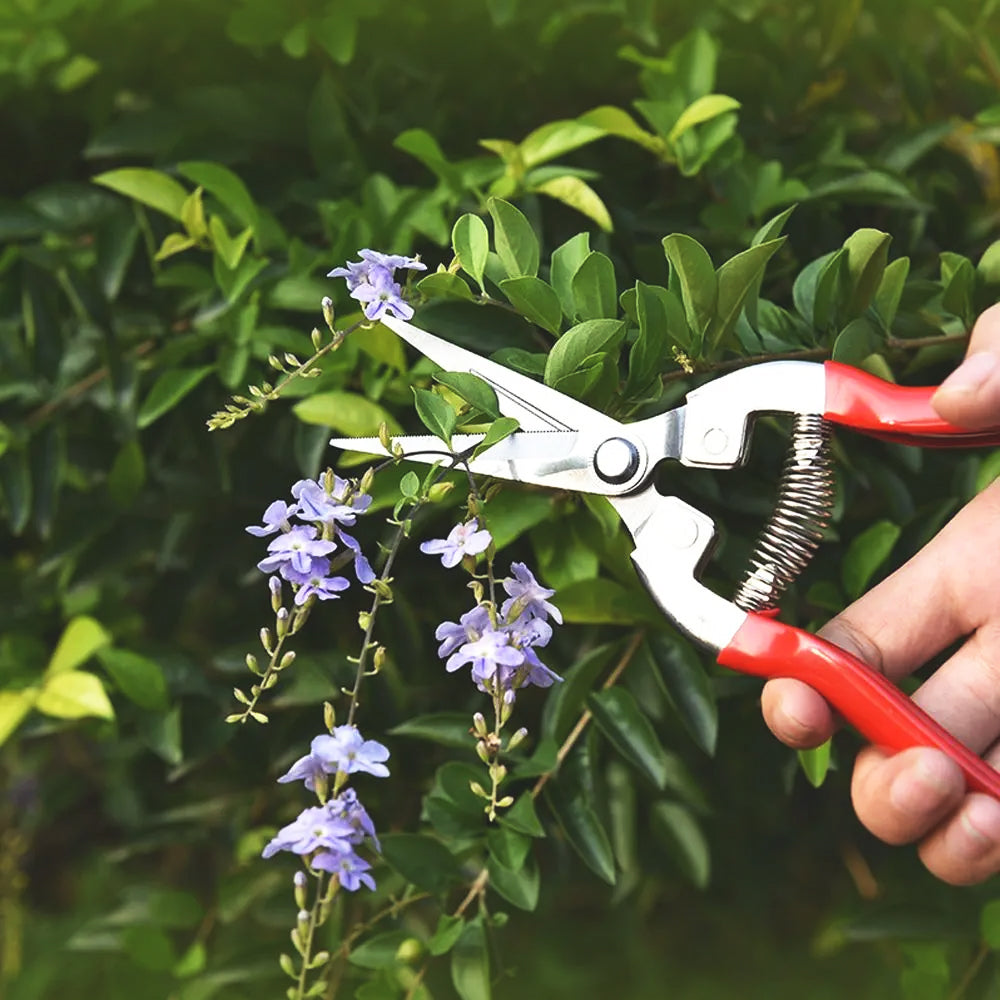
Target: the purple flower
(296, 548)
(469, 628)
(275, 519)
(527, 595)
(391, 260)
(463, 540)
(491, 650)
(351, 871)
(315, 504)
(371, 282)
(346, 806)
(315, 583)
(312, 829)
(348, 751)
(380, 295)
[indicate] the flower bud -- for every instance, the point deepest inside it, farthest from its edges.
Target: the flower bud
(366, 480)
(281, 621)
(439, 491)
(517, 739)
(274, 585)
(265, 641)
(287, 660)
(505, 802)
(378, 658)
(300, 881)
(328, 315)
(329, 716)
(477, 789)
(409, 951)
(384, 437)
(482, 751)
(479, 724)
(251, 662)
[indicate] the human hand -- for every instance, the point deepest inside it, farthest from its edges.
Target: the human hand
(949, 590)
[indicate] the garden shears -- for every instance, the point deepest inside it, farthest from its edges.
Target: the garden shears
(564, 444)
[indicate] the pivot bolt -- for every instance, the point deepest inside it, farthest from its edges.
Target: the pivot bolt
(616, 460)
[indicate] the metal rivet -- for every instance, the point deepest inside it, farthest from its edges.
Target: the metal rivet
(616, 460)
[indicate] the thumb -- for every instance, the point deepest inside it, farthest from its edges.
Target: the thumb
(970, 396)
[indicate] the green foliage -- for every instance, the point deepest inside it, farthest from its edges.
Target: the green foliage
(693, 188)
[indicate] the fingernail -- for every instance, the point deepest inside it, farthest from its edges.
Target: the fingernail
(981, 818)
(919, 789)
(971, 374)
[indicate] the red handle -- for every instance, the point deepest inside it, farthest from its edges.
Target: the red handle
(894, 412)
(865, 698)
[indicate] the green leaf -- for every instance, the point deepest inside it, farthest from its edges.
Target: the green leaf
(890, 290)
(680, 832)
(688, 687)
(450, 729)
(81, 639)
(577, 194)
(224, 185)
(474, 390)
(857, 341)
(523, 817)
(151, 187)
(555, 138)
(446, 934)
(174, 243)
(167, 391)
(604, 601)
(661, 324)
(422, 860)
(535, 300)
(696, 275)
(345, 412)
(379, 951)
(615, 121)
(958, 277)
(73, 694)
(500, 429)
(470, 239)
(519, 887)
(737, 278)
(444, 285)
(470, 963)
(508, 846)
(14, 706)
(816, 289)
(866, 554)
(565, 261)
(630, 732)
(815, 763)
(515, 240)
(867, 253)
(989, 924)
(581, 826)
(580, 342)
(229, 248)
(193, 215)
(702, 110)
(594, 290)
(137, 677)
(773, 228)
(127, 475)
(435, 413)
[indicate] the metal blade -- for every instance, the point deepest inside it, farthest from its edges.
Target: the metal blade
(535, 406)
(555, 459)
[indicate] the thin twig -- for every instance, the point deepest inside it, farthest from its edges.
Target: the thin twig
(584, 720)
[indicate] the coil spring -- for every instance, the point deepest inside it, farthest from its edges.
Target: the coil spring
(793, 532)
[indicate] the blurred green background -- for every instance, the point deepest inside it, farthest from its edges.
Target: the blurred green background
(129, 844)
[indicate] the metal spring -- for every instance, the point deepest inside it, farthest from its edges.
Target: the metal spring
(791, 536)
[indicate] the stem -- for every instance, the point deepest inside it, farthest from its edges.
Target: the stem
(807, 353)
(970, 973)
(306, 952)
(586, 716)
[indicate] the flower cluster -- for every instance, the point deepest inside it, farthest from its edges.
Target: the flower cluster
(301, 552)
(500, 645)
(373, 283)
(327, 834)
